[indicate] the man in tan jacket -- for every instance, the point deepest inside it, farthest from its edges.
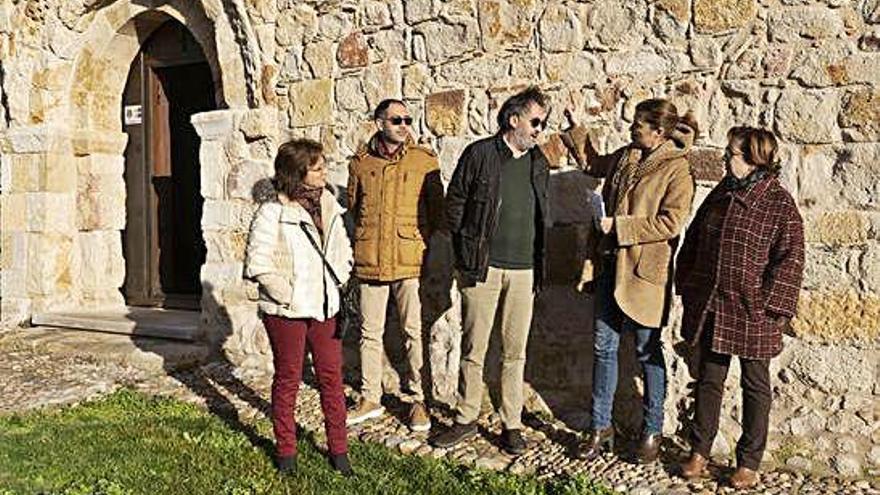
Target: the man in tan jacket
(395, 195)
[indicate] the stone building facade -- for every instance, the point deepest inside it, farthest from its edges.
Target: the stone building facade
(808, 69)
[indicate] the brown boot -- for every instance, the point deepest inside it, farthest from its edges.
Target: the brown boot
(597, 442)
(744, 478)
(649, 448)
(695, 467)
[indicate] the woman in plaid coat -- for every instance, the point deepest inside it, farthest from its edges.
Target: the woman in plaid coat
(739, 274)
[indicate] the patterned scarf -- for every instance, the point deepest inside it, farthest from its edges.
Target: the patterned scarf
(310, 199)
(732, 183)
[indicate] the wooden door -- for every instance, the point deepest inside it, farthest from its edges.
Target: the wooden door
(163, 243)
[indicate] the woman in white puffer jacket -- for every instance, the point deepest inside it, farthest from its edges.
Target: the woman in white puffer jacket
(299, 296)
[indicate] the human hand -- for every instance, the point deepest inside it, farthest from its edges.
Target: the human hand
(606, 225)
(569, 117)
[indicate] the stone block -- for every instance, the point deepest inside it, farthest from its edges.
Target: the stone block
(450, 149)
(51, 212)
(15, 254)
(857, 167)
(445, 112)
(95, 141)
(245, 176)
(443, 41)
(49, 263)
(835, 63)
(101, 264)
(350, 94)
(861, 113)
(296, 24)
(13, 211)
(382, 81)
(706, 51)
(353, 51)
(416, 80)
(833, 316)
(56, 173)
(376, 13)
(259, 123)
(829, 268)
(715, 16)
(227, 215)
(870, 268)
(417, 10)
(488, 70)
(789, 24)
(644, 64)
(24, 173)
(226, 246)
(837, 228)
(560, 29)
(582, 68)
(618, 24)
(311, 103)
(808, 116)
(214, 125)
(215, 168)
(220, 275)
(334, 24)
(506, 24)
(388, 45)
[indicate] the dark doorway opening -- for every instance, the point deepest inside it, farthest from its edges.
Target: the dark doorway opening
(168, 82)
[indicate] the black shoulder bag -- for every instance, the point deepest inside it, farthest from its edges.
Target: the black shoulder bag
(349, 315)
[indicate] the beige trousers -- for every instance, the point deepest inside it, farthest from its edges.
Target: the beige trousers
(374, 304)
(513, 290)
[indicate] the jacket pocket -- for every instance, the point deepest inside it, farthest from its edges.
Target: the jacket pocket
(366, 246)
(653, 263)
(410, 245)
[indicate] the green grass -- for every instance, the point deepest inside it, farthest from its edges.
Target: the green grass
(130, 443)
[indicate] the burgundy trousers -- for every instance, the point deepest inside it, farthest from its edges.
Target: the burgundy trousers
(288, 338)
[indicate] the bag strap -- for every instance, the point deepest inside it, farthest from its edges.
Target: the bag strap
(305, 229)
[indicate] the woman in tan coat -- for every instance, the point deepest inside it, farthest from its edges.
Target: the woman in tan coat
(647, 194)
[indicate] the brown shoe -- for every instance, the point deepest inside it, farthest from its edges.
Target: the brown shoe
(695, 467)
(419, 419)
(363, 411)
(597, 442)
(744, 478)
(648, 449)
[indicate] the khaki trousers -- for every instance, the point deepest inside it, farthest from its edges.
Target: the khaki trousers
(513, 290)
(374, 304)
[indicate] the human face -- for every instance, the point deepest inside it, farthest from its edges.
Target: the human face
(527, 127)
(395, 125)
(734, 163)
(643, 135)
(316, 175)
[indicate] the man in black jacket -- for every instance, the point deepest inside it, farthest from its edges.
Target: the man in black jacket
(497, 209)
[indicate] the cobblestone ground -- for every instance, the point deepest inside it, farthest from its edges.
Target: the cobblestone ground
(31, 378)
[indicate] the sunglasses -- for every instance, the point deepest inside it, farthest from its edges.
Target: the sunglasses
(536, 123)
(400, 120)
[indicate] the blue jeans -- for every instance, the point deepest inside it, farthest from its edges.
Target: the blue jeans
(611, 322)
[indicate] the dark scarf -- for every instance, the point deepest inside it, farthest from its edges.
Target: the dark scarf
(732, 183)
(310, 199)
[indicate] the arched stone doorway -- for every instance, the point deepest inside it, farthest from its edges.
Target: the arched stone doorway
(169, 81)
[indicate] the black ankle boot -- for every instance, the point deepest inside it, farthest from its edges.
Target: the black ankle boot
(340, 463)
(286, 465)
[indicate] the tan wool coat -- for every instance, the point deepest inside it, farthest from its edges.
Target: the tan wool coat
(396, 204)
(649, 216)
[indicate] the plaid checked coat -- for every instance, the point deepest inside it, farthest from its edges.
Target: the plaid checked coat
(744, 262)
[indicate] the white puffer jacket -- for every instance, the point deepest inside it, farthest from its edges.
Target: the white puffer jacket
(293, 280)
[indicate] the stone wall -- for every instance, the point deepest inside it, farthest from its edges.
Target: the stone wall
(809, 69)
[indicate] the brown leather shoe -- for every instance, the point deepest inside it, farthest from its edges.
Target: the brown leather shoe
(648, 449)
(597, 442)
(744, 478)
(695, 467)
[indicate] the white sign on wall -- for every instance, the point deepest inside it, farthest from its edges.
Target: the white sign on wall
(133, 115)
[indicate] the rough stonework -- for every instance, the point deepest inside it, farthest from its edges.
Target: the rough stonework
(808, 69)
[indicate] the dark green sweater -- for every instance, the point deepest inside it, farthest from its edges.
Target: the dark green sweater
(513, 243)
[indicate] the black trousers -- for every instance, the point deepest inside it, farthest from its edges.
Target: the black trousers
(757, 396)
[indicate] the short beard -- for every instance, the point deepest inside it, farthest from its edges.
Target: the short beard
(521, 140)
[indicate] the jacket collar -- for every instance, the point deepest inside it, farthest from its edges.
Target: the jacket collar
(371, 148)
(749, 196)
(677, 146)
